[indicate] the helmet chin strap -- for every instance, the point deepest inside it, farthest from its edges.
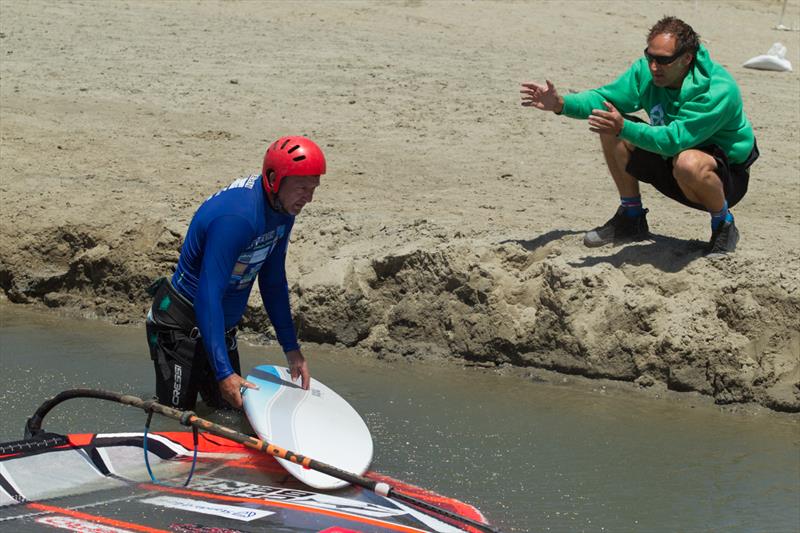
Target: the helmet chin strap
(276, 204)
(274, 201)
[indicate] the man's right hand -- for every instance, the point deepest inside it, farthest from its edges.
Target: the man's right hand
(544, 97)
(230, 388)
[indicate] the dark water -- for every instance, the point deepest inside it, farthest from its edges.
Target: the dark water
(533, 457)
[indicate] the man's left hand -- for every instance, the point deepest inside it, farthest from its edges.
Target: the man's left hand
(606, 122)
(298, 367)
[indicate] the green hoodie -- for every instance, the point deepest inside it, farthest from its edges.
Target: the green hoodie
(707, 109)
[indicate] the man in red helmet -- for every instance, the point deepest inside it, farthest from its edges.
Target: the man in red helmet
(237, 236)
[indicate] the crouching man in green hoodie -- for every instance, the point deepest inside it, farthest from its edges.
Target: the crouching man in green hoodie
(697, 148)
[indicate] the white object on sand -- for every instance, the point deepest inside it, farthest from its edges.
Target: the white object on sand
(774, 59)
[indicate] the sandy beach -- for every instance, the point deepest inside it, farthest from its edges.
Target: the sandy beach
(450, 222)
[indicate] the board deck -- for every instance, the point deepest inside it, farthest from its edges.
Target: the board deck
(317, 423)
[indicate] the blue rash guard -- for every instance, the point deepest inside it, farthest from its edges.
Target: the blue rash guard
(235, 237)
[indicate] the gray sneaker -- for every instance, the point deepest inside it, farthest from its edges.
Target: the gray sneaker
(620, 229)
(723, 240)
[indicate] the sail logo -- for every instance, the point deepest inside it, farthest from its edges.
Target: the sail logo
(235, 512)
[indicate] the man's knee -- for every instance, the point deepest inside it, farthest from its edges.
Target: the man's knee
(692, 165)
(616, 149)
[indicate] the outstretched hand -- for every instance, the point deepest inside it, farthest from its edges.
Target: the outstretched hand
(606, 122)
(544, 97)
(298, 367)
(231, 389)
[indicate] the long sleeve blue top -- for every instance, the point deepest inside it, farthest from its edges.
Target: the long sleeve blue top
(234, 238)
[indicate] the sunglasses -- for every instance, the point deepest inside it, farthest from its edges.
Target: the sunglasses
(663, 60)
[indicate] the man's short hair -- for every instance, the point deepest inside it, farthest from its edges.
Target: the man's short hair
(687, 39)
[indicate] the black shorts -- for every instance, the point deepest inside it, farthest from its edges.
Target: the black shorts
(181, 363)
(649, 167)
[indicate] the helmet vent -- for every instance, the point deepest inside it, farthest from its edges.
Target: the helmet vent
(285, 143)
(298, 158)
(293, 148)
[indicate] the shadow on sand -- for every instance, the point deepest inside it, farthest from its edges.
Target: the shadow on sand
(542, 240)
(665, 253)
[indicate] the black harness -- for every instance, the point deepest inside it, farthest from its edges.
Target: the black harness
(173, 319)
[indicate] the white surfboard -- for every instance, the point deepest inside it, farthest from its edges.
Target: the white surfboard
(317, 423)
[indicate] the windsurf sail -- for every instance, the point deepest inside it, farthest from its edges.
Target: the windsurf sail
(99, 483)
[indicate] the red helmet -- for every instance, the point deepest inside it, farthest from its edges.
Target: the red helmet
(291, 156)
